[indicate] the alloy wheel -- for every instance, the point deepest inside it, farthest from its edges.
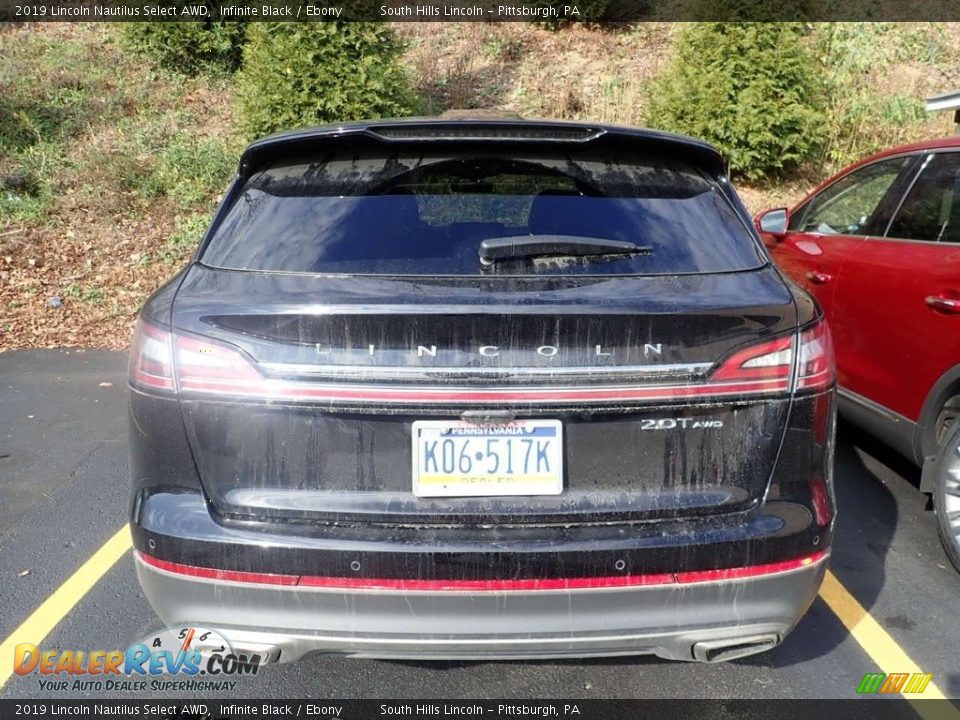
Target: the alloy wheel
(947, 495)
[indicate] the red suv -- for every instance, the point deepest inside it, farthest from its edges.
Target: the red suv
(879, 246)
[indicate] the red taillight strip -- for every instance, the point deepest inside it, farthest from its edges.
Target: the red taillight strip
(747, 571)
(342, 393)
(410, 584)
(215, 574)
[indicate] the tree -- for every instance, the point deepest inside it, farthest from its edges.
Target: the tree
(752, 89)
(188, 47)
(302, 74)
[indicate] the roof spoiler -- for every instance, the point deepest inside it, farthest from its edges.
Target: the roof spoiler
(505, 131)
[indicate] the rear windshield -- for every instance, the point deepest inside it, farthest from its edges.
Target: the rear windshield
(361, 211)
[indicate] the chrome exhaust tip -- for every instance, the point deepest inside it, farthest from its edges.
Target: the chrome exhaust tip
(733, 648)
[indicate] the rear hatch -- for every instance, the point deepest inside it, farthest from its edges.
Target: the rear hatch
(339, 334)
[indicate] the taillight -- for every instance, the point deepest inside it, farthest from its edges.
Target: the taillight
(817, 368)
(151, 357)
(207, 366)
(165, 361)
(769, 360)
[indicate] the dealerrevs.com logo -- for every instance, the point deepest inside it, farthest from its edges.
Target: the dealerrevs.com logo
(187, 652)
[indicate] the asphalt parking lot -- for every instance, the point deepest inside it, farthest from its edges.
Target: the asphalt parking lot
(63, 494)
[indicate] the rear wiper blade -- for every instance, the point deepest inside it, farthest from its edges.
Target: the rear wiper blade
(518, 247)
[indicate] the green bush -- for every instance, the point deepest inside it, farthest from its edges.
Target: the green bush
(188, 47)
(301, 74)
(752, 89)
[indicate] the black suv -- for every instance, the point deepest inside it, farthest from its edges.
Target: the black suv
(469, 389)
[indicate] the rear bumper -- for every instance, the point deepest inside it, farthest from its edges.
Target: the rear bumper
(683, 590)
(711, 620)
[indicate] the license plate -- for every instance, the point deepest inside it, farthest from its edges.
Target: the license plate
(452, 458)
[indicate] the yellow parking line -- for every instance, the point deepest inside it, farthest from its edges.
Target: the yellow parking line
(881, 647)
(56, 607)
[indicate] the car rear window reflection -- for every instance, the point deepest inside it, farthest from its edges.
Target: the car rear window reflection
(358, 212)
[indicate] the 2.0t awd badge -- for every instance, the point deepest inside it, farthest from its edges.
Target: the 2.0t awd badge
(680, 422)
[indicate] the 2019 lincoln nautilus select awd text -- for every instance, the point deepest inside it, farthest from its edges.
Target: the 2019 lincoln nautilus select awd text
(493, 388)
